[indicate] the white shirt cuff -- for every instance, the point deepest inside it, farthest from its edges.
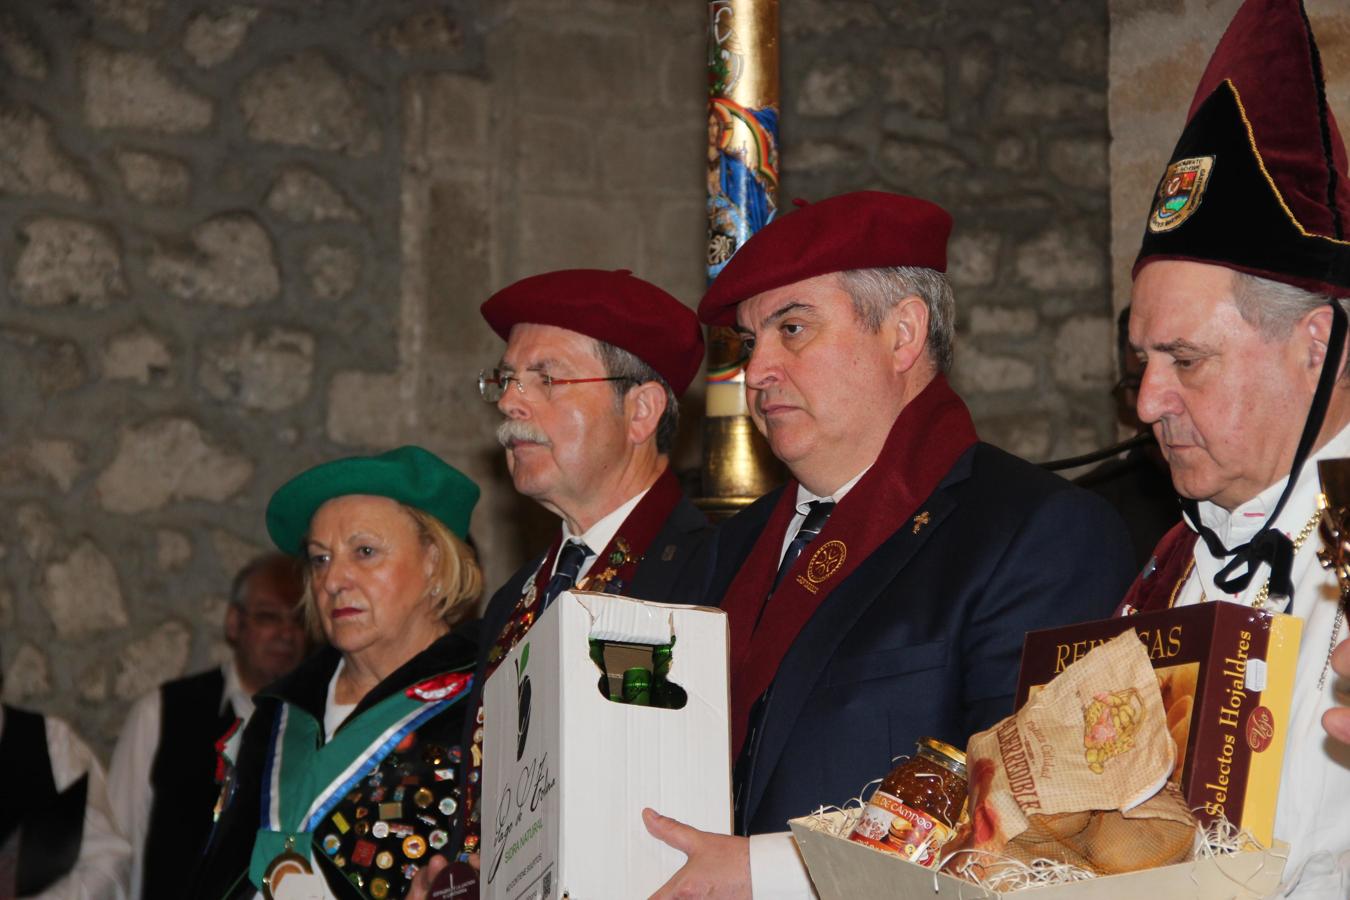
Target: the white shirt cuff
(777, 871)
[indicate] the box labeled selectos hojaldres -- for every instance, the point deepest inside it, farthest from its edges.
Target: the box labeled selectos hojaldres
(1226, 673)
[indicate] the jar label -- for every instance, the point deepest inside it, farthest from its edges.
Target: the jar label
(887, 824)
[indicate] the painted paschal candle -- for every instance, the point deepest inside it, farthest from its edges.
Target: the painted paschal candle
(742, 170)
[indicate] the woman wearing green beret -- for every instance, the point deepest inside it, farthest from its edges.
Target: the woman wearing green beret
(344, 783)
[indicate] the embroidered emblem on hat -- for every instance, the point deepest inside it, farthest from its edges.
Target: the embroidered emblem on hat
(1180, 192)
(823, 563)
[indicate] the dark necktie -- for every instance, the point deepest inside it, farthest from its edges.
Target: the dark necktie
(570, 559)
(816, 514)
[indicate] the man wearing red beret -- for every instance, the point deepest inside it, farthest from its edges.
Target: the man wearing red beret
(881, 596)
(588, 388)
(1241, 289)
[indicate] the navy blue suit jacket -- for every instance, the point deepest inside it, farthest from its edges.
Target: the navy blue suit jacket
(925, 637)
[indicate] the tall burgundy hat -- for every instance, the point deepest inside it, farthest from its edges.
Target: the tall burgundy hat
(1258, 183)
(861, 230)
(614, 307)
(1258, 180)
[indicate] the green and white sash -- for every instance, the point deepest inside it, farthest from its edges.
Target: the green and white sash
(303, 780)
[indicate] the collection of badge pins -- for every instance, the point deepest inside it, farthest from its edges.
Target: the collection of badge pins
(374, 812)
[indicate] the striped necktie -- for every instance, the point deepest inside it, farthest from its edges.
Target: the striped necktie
(570, 559)
(817, 512)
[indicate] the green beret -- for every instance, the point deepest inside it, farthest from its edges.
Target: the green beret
(410, 475)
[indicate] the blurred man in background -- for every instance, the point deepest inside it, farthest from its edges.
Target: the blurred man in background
(57, 837)
(162, 781)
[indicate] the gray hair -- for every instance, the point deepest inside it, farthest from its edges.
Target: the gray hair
(875, 292)
(284, 568)
(1274, 308)
(619, 363)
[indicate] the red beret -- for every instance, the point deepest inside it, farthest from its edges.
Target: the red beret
(614, 307)
(862, 230)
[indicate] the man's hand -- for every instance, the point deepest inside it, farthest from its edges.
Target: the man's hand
(718, 864)
(420, 889)
(1337, 721)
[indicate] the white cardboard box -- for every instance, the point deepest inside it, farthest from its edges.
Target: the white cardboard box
(843, 869)
(565, 782)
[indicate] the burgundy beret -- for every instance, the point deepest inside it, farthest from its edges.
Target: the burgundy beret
(614, 307)
(862, 230)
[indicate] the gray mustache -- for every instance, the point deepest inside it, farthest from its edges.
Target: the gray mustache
(513, 430)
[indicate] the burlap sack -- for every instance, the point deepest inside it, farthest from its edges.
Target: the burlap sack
(1075, 775)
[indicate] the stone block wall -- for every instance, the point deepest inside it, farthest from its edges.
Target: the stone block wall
(200, 234)
(1159, 49)
(239, 239)
(998, 112)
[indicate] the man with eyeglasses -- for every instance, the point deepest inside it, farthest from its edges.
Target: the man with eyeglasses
(588, 389)
(162, 780)
(882, 595)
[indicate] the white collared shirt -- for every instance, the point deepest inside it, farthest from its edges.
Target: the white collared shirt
(1315, 778)
(101, 868)
(804, 500)
(597, 537)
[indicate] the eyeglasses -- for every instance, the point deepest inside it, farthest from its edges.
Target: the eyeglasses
(272, 618)
(1127, 383)
(493, 383)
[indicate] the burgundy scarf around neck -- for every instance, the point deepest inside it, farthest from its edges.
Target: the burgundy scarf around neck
(928, 436)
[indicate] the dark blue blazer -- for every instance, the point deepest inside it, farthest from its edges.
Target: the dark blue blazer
(925, 637)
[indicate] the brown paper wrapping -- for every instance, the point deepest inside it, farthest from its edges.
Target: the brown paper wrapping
(1075, 775)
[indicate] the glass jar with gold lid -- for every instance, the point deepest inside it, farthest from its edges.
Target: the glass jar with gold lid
(916, 807)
